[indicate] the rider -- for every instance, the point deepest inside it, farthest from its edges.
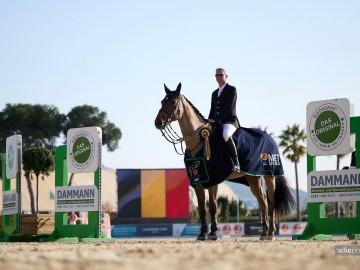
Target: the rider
(223, 110)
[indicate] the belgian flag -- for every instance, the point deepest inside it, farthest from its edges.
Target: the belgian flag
(153, 193)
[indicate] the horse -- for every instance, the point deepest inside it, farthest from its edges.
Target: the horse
(279, 199)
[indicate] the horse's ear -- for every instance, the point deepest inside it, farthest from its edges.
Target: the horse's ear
(178, 88)
(167, 90)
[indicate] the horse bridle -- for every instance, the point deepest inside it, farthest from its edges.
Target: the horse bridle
(169, 133)
(170, 115)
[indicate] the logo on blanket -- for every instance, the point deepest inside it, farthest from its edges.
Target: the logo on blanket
(196, 170)
(270, 159)
(264, 156)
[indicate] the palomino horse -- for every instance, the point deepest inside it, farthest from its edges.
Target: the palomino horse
(279, 199)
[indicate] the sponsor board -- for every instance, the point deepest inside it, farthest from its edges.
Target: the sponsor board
(13, 150)
(192, 230)
(118, 231)
(76, 199)
(174, 230)
(255, 228)
(231, 229)
(10, 202)
(186, 230)
(155, 230)
(291, 228)
(333, 186)
(328, 127)
(83, 149)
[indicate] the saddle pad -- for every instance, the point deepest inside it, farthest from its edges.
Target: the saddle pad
(258, 156)
(258, 152)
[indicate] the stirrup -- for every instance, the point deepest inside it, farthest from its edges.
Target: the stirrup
(237, 167)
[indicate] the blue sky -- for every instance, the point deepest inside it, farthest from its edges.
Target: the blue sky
(116, 55)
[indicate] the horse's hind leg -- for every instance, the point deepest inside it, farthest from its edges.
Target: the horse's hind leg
(270, 186)
(200, 195)
(213, 191)
(255, 183)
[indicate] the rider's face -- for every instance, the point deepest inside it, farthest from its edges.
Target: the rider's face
(220, 77)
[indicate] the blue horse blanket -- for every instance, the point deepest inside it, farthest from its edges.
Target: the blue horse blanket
(257, 151)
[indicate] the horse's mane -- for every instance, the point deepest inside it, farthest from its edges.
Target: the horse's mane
(195, 109)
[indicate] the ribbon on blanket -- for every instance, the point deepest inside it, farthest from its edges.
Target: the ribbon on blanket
(205, 133)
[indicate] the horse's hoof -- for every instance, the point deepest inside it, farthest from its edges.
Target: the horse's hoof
(212, 237)
(271, 238)
(263, 237)
(201, 238)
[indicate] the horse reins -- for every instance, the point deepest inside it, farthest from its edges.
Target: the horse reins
(170, 134)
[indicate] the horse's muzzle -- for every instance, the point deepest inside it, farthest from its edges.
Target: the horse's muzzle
(159, 123)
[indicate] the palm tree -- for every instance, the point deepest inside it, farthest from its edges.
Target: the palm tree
(291, 138)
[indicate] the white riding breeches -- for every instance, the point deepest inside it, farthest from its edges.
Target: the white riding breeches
(228, 131)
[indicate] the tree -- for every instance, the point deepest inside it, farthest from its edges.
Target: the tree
(222, 203)
(38, 161)
(88, 116)
(290, 140)
(237, 207)
(39, 125)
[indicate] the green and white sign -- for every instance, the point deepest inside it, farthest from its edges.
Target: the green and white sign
(328, 127)
(10, 202)
(74, 199)
(334, 186)
(13, 148)
(83, 149)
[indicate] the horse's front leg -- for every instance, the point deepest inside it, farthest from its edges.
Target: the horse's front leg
(213, 191)
(200, 195)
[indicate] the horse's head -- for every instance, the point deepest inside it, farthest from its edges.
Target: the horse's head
(170, 108)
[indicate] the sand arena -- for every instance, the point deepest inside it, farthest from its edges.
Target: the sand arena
(180, 253)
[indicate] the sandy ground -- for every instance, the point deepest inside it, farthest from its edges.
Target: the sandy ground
(180, 253)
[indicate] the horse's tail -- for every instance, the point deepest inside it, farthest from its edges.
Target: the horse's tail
(284, 199)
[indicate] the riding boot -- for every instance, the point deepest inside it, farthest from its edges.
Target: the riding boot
(232, 148)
